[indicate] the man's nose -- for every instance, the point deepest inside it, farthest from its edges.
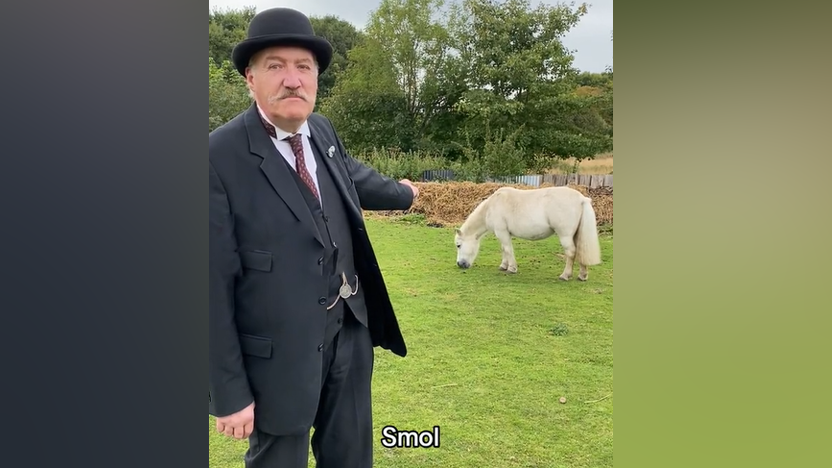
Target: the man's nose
(291, 80)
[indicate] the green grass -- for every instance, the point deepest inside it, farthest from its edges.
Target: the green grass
(489, 355)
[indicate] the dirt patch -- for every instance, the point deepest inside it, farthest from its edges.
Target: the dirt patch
(449, 203)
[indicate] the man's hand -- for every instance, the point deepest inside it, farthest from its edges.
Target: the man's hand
(238, 425)
(414, 188)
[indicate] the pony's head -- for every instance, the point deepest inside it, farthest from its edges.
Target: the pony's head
(467, 247)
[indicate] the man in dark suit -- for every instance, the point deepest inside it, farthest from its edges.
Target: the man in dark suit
(297, 300)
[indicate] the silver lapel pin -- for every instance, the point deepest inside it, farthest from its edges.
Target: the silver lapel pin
(330, 151)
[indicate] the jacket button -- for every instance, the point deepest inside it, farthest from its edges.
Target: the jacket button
(320, 260)
(320, 347)
(322, 301)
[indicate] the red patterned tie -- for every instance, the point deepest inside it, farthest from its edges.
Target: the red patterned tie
(300, 163)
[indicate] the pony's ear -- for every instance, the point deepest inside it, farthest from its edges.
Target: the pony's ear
(458, 232)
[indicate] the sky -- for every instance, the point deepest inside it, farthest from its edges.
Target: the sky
(590, 40)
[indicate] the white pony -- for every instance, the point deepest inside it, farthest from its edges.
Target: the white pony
(533, 214)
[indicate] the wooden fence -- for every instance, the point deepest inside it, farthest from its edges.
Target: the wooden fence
(587, 180)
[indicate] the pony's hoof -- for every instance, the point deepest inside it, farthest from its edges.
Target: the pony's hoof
(502, 268)
(583, 278)
(512, 271)
(563, 278)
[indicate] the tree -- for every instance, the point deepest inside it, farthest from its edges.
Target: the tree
(225, 29)
(227, 94)
(366, 104)
(522, 81)
(343, 36)
(403, 73)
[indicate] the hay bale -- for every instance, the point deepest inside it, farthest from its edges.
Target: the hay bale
(449, 203)
(602, 203)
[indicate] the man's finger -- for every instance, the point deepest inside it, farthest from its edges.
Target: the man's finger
(238, 432)
(229, 431)
(248, 429)
(220, 426)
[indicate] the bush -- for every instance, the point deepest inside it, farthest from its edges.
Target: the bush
(402, 165)
(499, 159)
(502, 157)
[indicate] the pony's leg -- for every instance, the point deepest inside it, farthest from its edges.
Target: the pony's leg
(504, 262)
(569, 250)
(503, 252)
(509, 262)
(584, 274)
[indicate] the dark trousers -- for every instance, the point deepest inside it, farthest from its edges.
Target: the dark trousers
(343, 426)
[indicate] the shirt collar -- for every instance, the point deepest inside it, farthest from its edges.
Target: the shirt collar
(282, 134)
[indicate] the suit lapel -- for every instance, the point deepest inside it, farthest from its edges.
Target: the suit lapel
(277, 172)
(322, 140)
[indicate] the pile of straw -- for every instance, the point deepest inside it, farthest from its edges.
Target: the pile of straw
(449, 203)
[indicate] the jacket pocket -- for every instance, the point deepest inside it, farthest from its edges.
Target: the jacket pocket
(255, 346)
(259, 260)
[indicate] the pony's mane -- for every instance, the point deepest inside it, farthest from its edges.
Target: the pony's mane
(476, 216)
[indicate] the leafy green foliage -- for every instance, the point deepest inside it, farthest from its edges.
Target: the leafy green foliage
(399, 164)
(225, 29)
(367, 106)
(399, 76)
(343, 36)
(227, 94)
(521, 76)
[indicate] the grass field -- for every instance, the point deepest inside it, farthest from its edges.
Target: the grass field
(490, 355)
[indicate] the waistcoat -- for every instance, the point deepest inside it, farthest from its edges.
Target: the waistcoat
(335, 230)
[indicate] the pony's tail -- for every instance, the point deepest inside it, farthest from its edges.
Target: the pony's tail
(586, 239)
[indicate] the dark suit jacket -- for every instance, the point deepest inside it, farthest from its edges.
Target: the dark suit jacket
(267, 313)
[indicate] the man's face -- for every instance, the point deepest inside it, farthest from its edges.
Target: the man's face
(284, 81)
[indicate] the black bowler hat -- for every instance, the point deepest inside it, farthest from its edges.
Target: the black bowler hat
(280, 26)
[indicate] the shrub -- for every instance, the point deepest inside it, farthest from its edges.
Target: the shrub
(402, 165)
